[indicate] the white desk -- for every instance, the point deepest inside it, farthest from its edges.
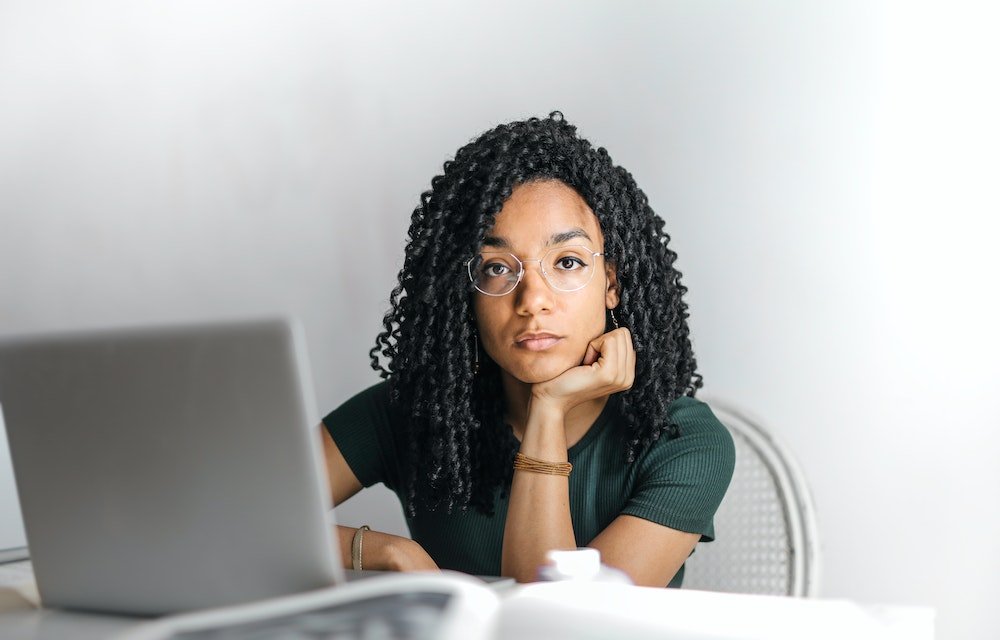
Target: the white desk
(581, 610)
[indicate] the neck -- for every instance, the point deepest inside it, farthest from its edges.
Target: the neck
(578, 420)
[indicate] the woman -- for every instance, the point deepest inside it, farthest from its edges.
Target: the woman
(540, 381)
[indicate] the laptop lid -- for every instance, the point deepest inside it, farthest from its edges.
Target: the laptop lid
(13, 544)
(168, 469)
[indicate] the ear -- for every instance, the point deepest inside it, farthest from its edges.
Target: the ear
(611, 296)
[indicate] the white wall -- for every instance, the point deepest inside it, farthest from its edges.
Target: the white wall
(828, 172)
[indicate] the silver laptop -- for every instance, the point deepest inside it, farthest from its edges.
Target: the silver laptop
(169, 469)
(13, 544)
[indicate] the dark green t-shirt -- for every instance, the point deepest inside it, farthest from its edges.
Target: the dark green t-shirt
(677, 483)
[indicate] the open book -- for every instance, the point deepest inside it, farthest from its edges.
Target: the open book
(453, 606)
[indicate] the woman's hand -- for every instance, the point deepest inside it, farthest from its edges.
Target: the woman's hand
(608, 367)
(403, 554)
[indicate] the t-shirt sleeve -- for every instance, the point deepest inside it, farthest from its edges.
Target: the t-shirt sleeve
(363, 428)
(682, 481)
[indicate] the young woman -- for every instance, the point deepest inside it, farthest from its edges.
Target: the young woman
(539, 378)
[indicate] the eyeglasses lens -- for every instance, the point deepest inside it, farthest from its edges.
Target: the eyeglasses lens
(564, 268)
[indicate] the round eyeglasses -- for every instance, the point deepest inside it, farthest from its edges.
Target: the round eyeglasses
(497, 273)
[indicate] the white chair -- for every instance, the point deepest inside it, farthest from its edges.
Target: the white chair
(766, 532)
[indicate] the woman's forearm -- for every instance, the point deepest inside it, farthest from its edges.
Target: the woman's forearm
(538, 515)
(384, 551)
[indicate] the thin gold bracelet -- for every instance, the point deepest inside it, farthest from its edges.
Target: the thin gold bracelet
(534, 465)
(356, 547)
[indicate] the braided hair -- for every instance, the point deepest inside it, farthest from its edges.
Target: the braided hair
(458, 451)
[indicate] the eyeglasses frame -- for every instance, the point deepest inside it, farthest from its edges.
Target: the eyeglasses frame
(541, 268)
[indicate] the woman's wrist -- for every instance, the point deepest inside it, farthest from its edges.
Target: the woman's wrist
(541, 400)
(379, 552)
(546, 409)
(545, 432)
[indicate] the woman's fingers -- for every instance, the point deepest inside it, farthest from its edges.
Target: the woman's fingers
(626, 359)
(615, 357)
(608, 366)
(593, 353)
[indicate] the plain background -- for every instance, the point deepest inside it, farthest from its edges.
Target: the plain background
(828, 172)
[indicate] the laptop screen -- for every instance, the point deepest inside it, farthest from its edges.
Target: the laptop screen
(184, 452)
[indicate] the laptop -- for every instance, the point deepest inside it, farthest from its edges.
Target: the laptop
(13, 544)
(169, 469)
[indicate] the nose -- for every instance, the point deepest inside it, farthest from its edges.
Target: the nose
(533, 293)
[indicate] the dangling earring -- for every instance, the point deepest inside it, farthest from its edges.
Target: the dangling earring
(475, 349)
(614, 320)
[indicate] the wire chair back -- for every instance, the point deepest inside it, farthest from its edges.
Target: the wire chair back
(766, 530)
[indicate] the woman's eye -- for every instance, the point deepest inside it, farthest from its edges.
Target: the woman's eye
(568, 263)
(495, 270)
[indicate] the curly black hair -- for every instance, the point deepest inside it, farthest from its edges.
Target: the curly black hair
(459, 451)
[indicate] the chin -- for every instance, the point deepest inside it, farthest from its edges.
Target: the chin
(542, 370)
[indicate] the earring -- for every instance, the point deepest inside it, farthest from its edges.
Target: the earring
(614, 320)
(475, 349)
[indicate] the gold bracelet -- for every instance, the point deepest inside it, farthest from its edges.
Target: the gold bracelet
(534, 465)
(356, 547)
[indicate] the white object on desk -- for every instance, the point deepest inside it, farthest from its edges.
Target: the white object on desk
(579, 609)
(583, 563)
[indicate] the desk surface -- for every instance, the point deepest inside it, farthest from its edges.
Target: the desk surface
(568, 610)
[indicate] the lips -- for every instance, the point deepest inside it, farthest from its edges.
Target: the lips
(539, 341)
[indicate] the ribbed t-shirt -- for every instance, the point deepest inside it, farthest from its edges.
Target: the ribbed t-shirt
(677, 482)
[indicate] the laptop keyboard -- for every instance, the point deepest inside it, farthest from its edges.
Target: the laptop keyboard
(402, 616)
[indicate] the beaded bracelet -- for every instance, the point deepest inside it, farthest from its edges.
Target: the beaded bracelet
(356, 547)
(534, 465)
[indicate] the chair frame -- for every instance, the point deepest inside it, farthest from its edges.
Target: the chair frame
(796, 500)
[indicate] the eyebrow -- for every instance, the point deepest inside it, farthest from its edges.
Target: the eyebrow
(499, 242)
